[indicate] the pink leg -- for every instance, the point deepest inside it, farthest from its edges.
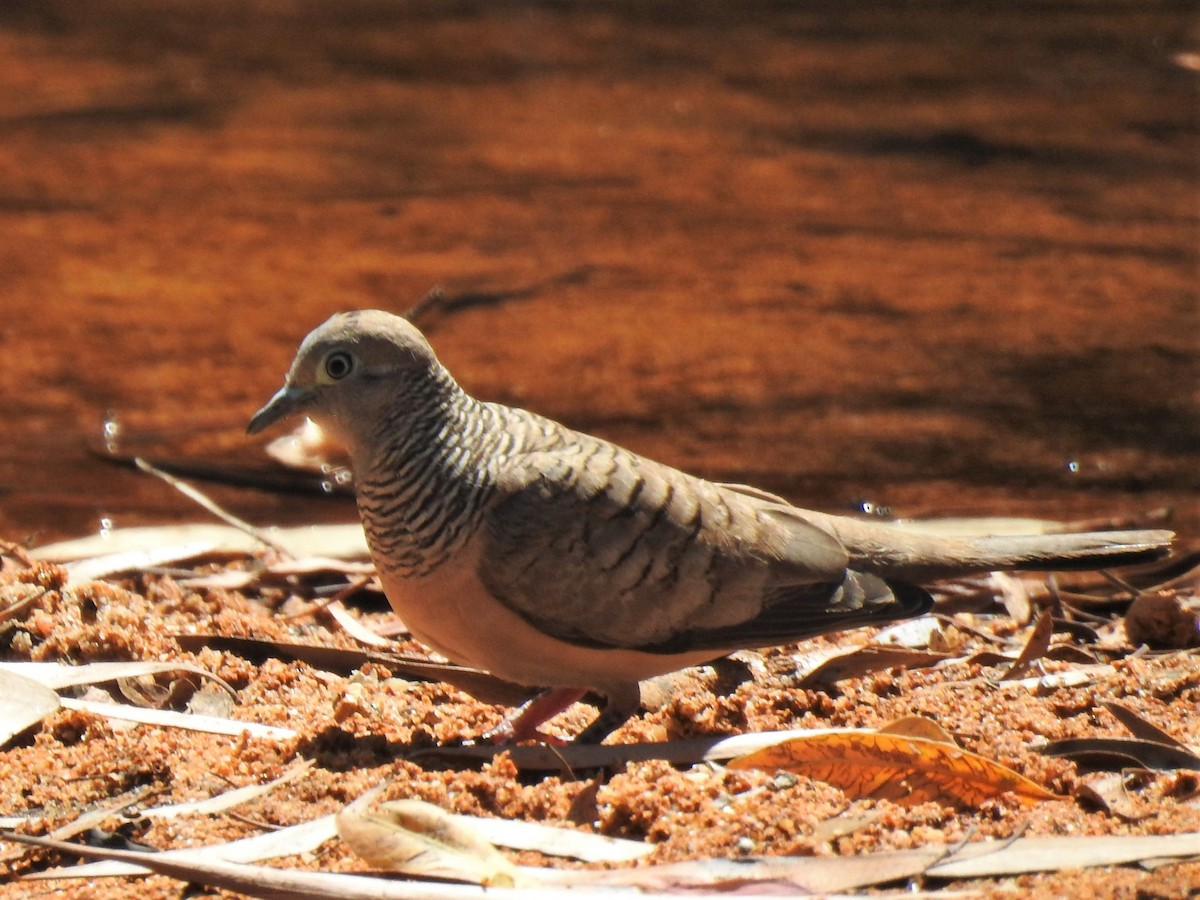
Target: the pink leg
(522, 723)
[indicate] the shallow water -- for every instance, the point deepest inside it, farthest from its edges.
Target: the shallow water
(941, 261)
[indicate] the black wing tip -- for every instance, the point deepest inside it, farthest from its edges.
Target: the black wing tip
(911, 600)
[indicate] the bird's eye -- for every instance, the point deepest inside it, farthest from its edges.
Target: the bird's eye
(339, 364)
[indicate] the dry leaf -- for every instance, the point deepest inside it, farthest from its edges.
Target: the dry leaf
(1138, 726)
(706, 878)
(337, 541)
(302, 838)
(770, 876)
(902, 769)
(167, 718)
(554, 841)
(228, 799)
(60, 675)
(480, 685)
(846, 823)
(1108, 792)
(1120, 753)
(916, 634)
(422, 840)
(1069, 678)
(576, 757)
(23, 703)
(919, 727)
(1013, 594)
(337, 611)
(864, 660)
(986, 859)
(1035, 648)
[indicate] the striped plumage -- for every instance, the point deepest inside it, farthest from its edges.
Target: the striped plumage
(556, 559)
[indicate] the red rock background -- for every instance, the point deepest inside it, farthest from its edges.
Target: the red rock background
(941, 258)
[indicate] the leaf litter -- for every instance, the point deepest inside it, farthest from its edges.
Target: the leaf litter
(966, 715)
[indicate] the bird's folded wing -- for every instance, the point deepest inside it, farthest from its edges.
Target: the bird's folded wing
(599, 547)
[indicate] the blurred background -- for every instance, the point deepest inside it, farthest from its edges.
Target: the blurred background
(939, 257)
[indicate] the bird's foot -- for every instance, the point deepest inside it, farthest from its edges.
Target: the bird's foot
(522, 724)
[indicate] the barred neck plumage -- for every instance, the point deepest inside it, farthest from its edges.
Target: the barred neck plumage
(425, 478)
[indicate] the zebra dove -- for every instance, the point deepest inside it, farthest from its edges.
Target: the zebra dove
(558, 560)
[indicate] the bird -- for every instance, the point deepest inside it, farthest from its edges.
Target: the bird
(561, 561)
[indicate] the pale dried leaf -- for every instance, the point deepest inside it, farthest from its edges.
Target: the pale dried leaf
(202, 866)
(353, 627)
(979, 859)
(170, 719)
(551, 841)
(865, 660)
(23, 704)
(227, 799)
(919, 727)
(1013, 594)
(224, 580)
(916, 634)
(60, 675)
(767, 876)
(134, 561)
(422, 840)
(847, 823)
(337, 541)
(1053, 854)
(1070, 678)
(709, 878)
(302, 838)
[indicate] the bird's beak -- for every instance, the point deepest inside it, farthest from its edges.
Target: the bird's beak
(287, 400)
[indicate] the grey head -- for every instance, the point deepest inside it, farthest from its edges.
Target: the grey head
(352, 370)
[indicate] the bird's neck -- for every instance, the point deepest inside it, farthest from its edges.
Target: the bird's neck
(422, 478)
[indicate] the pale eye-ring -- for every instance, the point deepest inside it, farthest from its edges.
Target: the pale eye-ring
(338, 365)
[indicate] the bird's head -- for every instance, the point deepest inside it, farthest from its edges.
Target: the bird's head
(350, 371)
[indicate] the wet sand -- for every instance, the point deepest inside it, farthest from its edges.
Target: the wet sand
(941, 260)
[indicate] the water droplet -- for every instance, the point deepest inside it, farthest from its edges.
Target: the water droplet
(1074, 466)
(106, 526)
(111, 432)
(327, 486)
(873, 509)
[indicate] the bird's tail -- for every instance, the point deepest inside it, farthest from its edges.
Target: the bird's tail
(896, 551)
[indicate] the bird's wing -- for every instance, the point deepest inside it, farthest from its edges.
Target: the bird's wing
(599, 547)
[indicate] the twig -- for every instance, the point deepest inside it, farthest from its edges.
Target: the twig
(426, 305)
(18, 605)
(17, 552)
(316, 606)
(229, 518)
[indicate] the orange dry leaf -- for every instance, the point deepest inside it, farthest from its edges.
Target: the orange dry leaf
(907, 770)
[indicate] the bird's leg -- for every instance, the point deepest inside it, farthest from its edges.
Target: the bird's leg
(522, 723)
(623, 701)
